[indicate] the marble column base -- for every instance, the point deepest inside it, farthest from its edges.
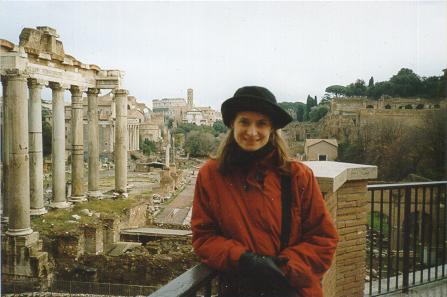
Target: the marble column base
(37, 211)
(94, 194)
(119, 194)
(19, 232)
(77, 199)
(63, 204)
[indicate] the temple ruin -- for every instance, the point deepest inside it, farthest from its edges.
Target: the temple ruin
(39, 61)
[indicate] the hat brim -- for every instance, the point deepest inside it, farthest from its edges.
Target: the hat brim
(233, 105)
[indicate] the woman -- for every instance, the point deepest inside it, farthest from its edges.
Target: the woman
(237, 211)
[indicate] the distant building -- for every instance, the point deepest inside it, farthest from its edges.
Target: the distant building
(184, 111)
(171, 108)
(139, 121)
(320, 149)
(150, 132)
(194, 116)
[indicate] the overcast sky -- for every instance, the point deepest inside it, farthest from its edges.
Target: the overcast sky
(292, 48)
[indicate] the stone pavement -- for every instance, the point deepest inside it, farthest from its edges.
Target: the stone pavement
(178, 211)
(435, 289)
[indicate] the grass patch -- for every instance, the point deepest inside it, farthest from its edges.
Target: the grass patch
(60, 221)
(375, 223)
(55, 222)
(108, 206)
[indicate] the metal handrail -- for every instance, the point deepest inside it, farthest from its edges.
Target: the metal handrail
(188, 283)
(404, 185)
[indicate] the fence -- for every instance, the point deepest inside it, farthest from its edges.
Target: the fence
(76, 287)
(406, 238)
(188, 284)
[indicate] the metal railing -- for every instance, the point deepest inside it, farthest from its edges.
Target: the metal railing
(189, 284)
(19, 286)
(406, 239)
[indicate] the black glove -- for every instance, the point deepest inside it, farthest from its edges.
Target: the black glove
(264, 270)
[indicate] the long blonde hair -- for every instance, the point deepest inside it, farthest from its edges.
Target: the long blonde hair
(224, 152)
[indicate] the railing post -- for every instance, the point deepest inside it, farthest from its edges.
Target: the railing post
(406, 260)
(345, 188)
(208, 289)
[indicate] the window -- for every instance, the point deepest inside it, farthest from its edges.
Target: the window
(322, 157)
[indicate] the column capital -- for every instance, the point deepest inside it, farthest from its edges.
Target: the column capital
(57, 86)
(93, 91)
(14, 74)
(76, 91)
(36, 83)
(121, 92)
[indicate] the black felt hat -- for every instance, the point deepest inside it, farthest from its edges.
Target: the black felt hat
(258, 99)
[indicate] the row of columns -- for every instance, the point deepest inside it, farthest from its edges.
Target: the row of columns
(134, 137)
(22, 179)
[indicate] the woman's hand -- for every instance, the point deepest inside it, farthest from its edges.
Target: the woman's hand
(265, 271)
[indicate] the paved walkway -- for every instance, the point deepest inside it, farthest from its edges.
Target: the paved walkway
(435, 289)
(178, 211)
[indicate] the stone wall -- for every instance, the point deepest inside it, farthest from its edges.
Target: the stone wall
(154, 264)
(348, 115)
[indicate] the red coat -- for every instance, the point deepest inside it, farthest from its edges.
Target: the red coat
(239, 213)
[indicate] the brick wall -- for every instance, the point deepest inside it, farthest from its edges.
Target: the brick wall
(351, 252)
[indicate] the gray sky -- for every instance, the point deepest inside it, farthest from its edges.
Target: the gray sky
(293, 48)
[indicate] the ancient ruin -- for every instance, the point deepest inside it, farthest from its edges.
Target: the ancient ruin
(39, 61)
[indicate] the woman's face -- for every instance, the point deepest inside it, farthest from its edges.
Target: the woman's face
(251, 130)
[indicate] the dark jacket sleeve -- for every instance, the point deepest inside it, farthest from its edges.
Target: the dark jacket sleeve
(213, 249)
(312, 256)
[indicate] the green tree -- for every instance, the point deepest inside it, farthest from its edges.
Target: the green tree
(336, 90)
(219, 127)
(170, 123)
(318, 112)
(379, 89)
(371, 82)
(47, 136)
(199, 144)
(185, 128)
(405, 83)
(148, 147)
(431, 87)
(300, 111)
(310, 102)
(356, 89)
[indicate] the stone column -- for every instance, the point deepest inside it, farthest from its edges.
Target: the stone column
(6, 149)
(93, 144)
(135, 137)
(134, 132)
(135, 147)
(173, 150)
(112, 136)
(138, 137)
(19, 202)
(35, 147)
(77, 144)
(167, 154)
(58, 147)
(121, 141)
(130, 137)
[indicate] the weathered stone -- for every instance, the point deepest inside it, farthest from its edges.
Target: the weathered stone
(121, 141)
